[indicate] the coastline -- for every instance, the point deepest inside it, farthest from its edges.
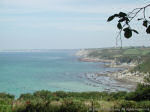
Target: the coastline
(123, 76)
(113, 86)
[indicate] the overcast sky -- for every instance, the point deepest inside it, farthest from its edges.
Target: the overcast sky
(64, 24)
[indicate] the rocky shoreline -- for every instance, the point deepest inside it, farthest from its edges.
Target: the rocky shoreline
(126, 76)
(123, 76)
(112, 84)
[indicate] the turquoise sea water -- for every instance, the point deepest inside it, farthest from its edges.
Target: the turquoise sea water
(55, 70)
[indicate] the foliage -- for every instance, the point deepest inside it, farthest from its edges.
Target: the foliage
(144, 67)
(44, 101)
(6, 101)
(141, 93)
(124, 55)
(125, 20)
(44, 94)
(66, 106)
(26, 96)
(6, 96)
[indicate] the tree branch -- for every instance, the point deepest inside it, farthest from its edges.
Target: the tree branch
(125, 20)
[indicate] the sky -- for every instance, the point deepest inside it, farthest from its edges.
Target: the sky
(64, 24)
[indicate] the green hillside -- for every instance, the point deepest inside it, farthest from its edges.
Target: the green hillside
(125, 55)
(110, 53)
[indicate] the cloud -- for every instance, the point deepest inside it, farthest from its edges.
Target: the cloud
(52, 19)
(63, 26)
(27, 13)
(74, 6)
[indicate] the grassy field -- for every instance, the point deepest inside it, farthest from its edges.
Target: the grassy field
(117, 52)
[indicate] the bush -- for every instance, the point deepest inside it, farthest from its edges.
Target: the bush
(141, 93)
(44, 94)
(4, 95)
(26, 96)
(67, 106)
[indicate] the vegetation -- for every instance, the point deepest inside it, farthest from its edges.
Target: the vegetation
(145, 66)
(125, 20)
(45, 101)
(6, 102)
(124, 55)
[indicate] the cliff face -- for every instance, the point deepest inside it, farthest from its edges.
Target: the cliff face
(83, 53)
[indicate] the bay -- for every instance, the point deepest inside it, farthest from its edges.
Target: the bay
(53, 70)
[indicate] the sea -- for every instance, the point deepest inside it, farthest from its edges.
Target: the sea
(53, 70)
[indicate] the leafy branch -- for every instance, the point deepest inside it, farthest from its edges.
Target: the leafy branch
(126, 18)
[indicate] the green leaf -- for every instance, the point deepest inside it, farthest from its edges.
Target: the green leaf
(135, 31)
(110, 18)
(145, 23)
(119, 26)
(148, 29)
(127, 33)
(122, 14)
